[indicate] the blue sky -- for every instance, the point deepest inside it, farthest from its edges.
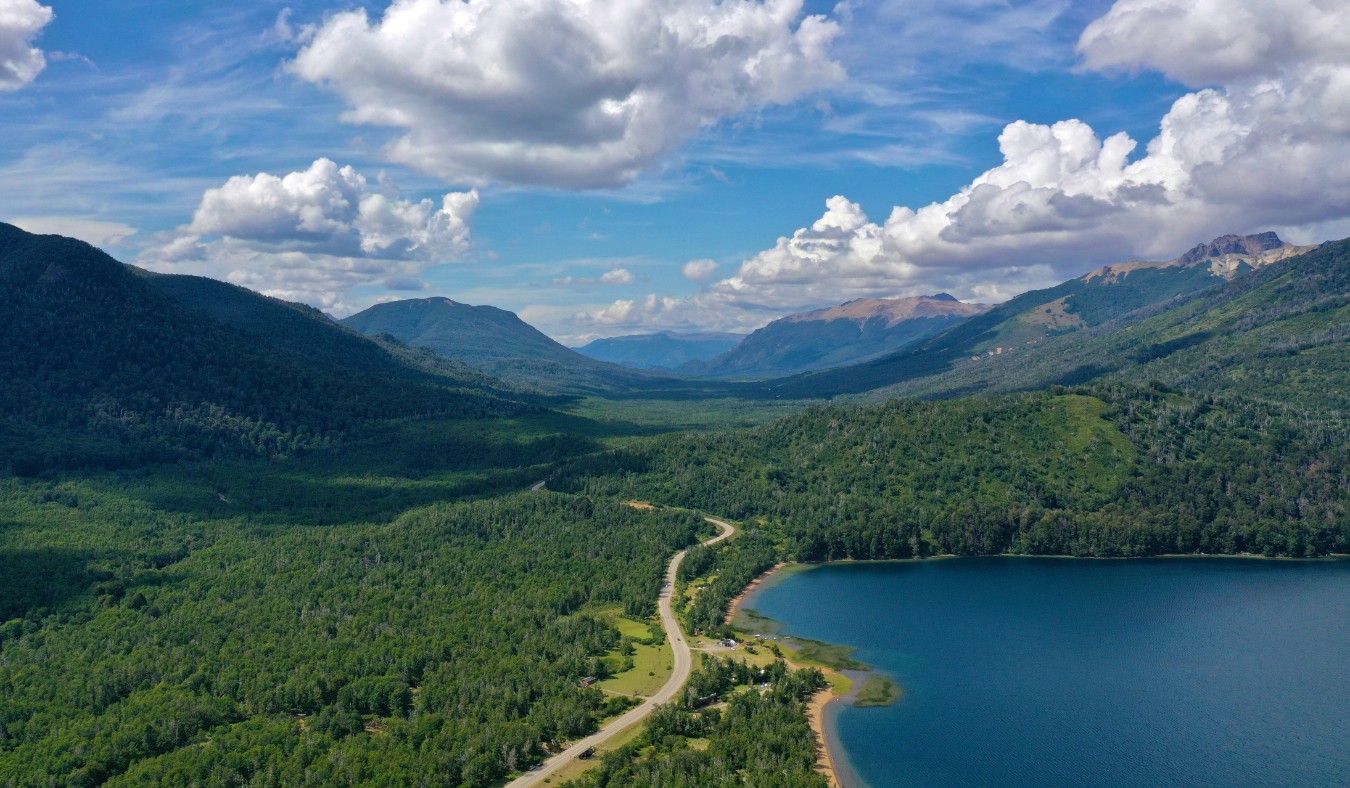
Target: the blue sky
(591, 151)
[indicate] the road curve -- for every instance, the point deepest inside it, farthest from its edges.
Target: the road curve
(684, 663)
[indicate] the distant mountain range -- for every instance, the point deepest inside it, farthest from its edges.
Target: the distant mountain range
(106, 365)
(661, 350)
(501, 344)
(840, 335)
(1060, 334)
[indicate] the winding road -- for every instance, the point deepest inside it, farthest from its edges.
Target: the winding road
(684, 664)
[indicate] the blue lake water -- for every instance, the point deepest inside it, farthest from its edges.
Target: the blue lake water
(1060, 672)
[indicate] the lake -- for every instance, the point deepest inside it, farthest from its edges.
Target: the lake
(1047, 671)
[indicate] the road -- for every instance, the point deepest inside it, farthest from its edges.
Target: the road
(684, 664)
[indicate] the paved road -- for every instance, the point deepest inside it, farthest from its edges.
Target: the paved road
(684, 663)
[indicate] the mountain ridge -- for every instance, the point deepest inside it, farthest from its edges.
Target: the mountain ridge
(661, 349)
(103, 368)
(1019, 332)
(837, 335)
(498, 342)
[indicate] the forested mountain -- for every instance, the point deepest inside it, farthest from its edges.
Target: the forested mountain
(302, 331)
(1281, 333)
(500, 343)
(837, 336)
(1103, 470)
(1032, 328)
(105, 367)
(661, 350)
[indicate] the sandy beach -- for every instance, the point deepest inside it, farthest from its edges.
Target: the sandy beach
(740, 598)
(815, 710)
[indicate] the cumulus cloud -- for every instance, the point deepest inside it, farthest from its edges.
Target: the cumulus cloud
(313, 235)
(559, 93)
(618, 276)
(21, 21)
(1208, 42)
(699, 270)
(657, 311)
(612, 277)
(1268, 148)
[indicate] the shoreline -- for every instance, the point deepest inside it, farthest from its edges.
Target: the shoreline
(737, 601)
(826, 757)
(815, 715)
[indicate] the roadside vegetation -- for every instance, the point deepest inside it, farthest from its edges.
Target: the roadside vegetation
(142, 645)
(735, 724)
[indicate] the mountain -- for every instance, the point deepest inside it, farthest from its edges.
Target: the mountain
(304, 331)
(1281, 334)
(662, 350)
(501, 344)
(105, 365)
(1029, 325)
(836, 336)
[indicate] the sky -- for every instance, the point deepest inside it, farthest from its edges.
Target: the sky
(612, 167)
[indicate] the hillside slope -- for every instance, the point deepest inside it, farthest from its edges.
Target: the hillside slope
(1032, 325)
(307, 333)
(104, 368)
(499, 343)
(1102, 470)
(1281, 333)
(839, 335)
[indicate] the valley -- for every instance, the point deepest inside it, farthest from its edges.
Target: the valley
(674, 393)
(325, 557)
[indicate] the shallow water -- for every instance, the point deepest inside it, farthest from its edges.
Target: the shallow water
(1039, 672)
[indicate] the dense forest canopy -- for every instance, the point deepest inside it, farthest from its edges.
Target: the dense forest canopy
(1107, 470)
(105, 368)
(440, 648)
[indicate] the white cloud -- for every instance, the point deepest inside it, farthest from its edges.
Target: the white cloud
(103, 234)
(1269, 148)
(21, 21)
(617, 276)
(313, 235)
(558, 93)
(699, 270)
(654, 310)
(1208, 42)
(613, 277)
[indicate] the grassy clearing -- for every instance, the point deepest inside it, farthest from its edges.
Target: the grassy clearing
(632, 629)
(877, 691)
(579, 767)
(840, 684)
(752, 622)
(824, 655)
(1086, 428)
(636, 417)
(652, 666)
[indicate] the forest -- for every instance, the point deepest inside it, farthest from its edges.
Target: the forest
(751, 725)
(441, 647)
(1108, 470)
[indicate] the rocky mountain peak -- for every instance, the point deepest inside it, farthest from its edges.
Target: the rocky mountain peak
(1233, 244)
